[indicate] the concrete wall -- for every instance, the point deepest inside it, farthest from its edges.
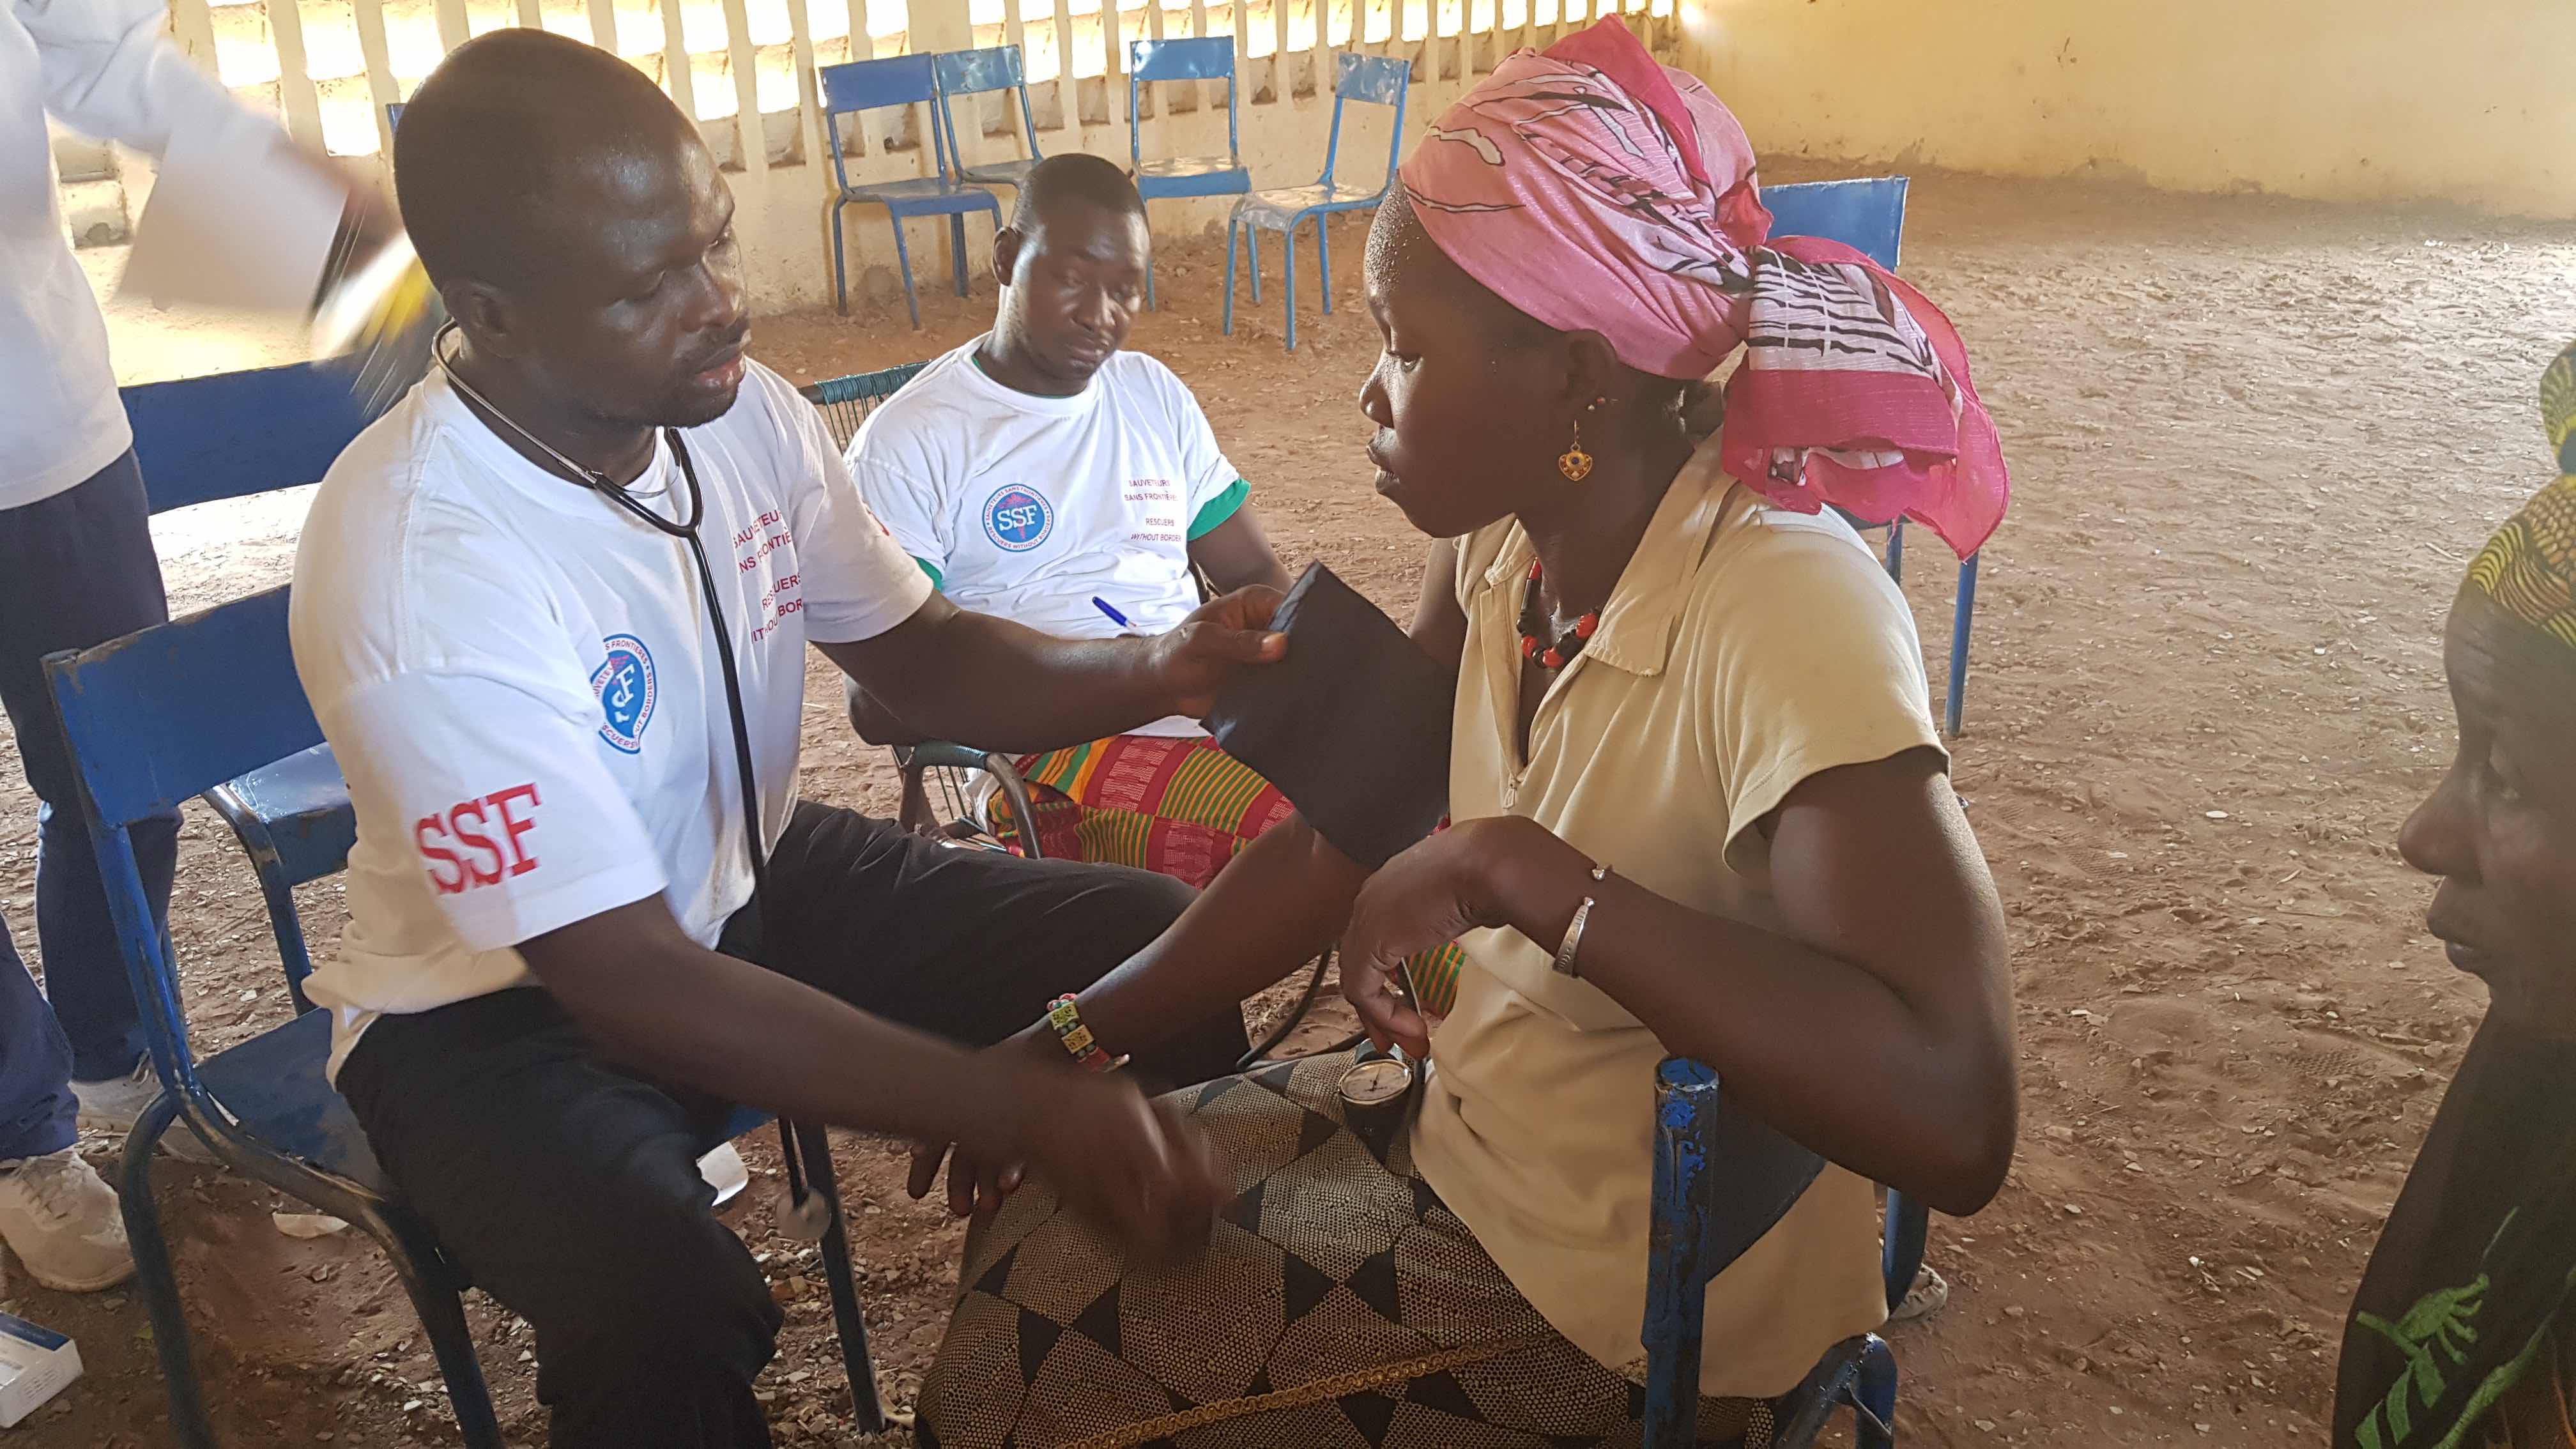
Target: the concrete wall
(2364, 100)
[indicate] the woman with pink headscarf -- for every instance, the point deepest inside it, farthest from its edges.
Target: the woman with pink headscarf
(1699, 808)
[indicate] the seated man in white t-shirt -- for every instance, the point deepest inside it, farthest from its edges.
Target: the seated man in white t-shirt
(1043, 474)
(557, 973)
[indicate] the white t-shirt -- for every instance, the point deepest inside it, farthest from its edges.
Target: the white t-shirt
(521, 685)
(1030, 507)
(104, 68)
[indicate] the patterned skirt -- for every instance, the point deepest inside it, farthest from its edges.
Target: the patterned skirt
(1176, 806)
(1339, 1303)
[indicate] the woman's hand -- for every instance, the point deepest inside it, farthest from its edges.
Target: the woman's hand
(1198, 656)
(1428, 896)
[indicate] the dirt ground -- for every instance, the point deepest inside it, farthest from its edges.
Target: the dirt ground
(2254, 444)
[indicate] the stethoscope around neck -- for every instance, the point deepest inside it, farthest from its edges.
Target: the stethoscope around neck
(803, 1213)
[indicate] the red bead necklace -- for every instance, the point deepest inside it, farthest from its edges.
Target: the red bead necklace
(1534, 621)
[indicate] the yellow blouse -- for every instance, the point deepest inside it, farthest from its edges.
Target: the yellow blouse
(1745, 648)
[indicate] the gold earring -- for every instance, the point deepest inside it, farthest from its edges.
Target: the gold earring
(1576, 465)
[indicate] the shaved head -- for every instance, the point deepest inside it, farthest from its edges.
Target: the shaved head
(582, 237)
(1071, 178)
(507, 147)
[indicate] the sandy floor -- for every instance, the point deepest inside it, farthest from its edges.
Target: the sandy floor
(2254, 442)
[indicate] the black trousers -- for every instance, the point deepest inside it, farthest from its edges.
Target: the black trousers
(568, 1189)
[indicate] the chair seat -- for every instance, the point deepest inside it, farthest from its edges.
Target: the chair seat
(1277, 209)
(926, 196)
(1177, 176)
(303, 804)
(1000, 173)
(273, 1084)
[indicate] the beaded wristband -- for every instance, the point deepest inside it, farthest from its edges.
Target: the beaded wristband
(1077, 1038)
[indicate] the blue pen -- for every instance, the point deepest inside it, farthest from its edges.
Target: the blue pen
(1115, 617)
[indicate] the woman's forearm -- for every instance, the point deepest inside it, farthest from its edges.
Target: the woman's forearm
(1270, 910)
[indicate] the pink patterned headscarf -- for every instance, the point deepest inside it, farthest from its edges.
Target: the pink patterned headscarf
(1595, 189)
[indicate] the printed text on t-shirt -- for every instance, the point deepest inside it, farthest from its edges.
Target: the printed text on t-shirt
(483, 829)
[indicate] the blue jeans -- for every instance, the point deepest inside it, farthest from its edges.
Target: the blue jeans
(76, 569)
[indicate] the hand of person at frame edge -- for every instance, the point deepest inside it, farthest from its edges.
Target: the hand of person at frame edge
(1197, 656)
(1428, 896)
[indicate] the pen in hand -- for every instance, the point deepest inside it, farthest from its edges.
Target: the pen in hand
(1103, 605)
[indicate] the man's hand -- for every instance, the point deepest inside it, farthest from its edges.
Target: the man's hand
(976, 1187)
(1198, 656)
(1130, 1166)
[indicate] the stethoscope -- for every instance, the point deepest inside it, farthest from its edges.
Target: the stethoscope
(804, 1214)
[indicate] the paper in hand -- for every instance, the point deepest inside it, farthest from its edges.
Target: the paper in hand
(234, 222)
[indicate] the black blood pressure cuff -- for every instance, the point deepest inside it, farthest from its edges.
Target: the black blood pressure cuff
(1353, 726)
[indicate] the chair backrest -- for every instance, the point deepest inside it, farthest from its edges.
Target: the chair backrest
(974, 72)
(871, 85)
(846, 401)
(159, 716)
(233, 434)
(1371, 80)
(393, 114)
(1196, 58)
(1867, 215)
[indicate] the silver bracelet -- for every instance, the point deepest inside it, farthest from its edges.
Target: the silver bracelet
(1573, 942)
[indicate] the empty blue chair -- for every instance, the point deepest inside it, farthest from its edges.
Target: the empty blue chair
(181, 708)
(1200, 59)
(1869, 217)
(232, 435)
(975, 72)
(1375, 80)
(1722, 1180)
(899, 80)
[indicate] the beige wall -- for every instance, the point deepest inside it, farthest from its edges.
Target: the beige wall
(2469, 101)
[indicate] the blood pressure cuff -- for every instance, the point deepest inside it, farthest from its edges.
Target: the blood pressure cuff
(1353, 726)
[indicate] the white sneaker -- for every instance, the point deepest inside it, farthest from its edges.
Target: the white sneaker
(114, 1104)
(63, 1222)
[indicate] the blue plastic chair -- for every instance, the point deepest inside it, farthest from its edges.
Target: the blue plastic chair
(1722, 1179)
(1375, 80)
(233, 435)
(1869, 216)
(1199, 59)
(974, 72)
(870, 85)
(180, 708)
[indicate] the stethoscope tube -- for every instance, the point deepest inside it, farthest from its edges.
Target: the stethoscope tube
(805, 1213)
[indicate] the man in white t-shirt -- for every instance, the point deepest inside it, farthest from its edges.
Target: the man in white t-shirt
(556, 973)
(1041, 471)
(1044, 474)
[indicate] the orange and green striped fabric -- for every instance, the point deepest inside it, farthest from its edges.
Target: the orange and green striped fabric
(1176, 806)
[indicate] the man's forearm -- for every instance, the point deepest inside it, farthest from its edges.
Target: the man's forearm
(997, 685)
(697, 1018)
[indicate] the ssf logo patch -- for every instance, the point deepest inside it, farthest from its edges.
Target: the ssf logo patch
(624, 684)
(1017, 519)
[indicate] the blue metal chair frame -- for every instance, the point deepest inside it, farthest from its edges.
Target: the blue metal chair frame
(872, 85)
(1868, 215)
(1375, 80)
(1721, 1181)
(975, 72)
(181, 708)
(233, 435)
(1201, 58)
